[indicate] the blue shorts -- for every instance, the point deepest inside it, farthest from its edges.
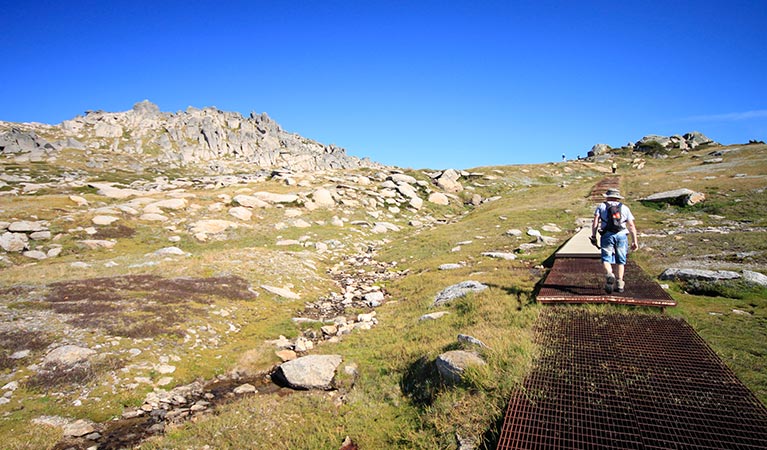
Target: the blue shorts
(614, 247)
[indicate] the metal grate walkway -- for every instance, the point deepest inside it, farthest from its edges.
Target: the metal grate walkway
(582, 280)
(629, 381)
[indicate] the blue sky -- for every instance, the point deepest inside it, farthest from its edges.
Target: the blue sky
(416, 84)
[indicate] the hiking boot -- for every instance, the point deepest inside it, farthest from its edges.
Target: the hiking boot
(620, 285)
(609, 282)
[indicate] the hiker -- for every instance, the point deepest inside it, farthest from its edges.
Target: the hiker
(615, 223)
(615, 167)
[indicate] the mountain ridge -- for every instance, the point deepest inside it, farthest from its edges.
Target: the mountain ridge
(181, 139)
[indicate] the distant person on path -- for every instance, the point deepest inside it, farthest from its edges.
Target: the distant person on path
(614, 221)
(615, 167)
(563, 157)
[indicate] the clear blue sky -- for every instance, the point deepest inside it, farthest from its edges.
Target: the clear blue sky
(410, 83)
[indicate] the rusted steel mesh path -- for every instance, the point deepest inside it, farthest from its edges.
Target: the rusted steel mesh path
(622, 380)
(582, 280)
(629, 381)
(611, 182)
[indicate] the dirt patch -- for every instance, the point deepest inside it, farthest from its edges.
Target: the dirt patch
(140, 306)
(114, 232)
(16, 340)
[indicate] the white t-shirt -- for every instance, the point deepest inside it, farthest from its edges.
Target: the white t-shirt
(625, 216)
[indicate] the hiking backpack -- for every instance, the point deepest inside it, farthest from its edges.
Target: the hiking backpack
(614, 218)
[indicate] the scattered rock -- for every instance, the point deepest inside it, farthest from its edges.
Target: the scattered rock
(500, 255)
(452, 364)
(79, 201)
(433, 316)
(466, 339)
(551, 228)
(245, 389)
(449, 266)
(212, 226)
(323, 198)
(448, 181)
(79, 428)
(250, 201)
(35, 254)
(457, 291)
(282, 292)
(153, 217)
(533, 232)
(439, 198)
(309, 372)
(104, 220)
(95, 244)
(170, 251)
(14, 242)
(276, 198)
(755, 277)
(241, 212)
(374, 299)
(68, 355)
(25, 226)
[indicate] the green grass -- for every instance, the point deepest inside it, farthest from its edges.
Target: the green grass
(396, 400)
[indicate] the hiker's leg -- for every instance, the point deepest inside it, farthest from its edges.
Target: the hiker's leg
(608, 259)
(607, 250)
(621, 250)
(619, 272)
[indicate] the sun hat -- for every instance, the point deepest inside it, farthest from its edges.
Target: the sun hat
(613, 193)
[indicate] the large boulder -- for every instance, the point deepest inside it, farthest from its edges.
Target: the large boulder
(309, 372)
(452, 364)
(270, 197)
(26, 226)
(599, 149)
(212, 226)
(682, 197)
(439, 198)
(448, 181)
(755, 278)
(402, 178)
(459, 290)
(696, 138)
(323, 198)
(14, 242)
(249, 201)
(698, 275)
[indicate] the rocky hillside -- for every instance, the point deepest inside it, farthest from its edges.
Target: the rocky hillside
(145, 299)
(180, 139)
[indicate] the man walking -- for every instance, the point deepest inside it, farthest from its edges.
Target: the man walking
(615, 222)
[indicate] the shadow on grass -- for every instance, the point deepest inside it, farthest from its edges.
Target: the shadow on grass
(524, 297)
(421, 382)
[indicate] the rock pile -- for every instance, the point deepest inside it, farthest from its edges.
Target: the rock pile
(17, 237)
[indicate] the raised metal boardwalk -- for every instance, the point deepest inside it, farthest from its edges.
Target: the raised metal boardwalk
(623, 380)
(582, 280)
(629, 381)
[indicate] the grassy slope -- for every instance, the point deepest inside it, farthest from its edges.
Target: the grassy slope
(397, 402)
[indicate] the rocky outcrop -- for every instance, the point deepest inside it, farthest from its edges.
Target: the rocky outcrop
(682, 197)
(179, 139)
(652, 143)
(658, 145)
